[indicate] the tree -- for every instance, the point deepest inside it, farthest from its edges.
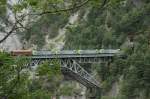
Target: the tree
(13, 76)
(122, 26)
(23, 9)
(16, 79)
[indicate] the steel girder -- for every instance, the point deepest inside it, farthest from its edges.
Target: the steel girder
(71, 68)
(79, 73)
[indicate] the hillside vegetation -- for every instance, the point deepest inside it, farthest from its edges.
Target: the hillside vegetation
(125, 25)
(113, 24)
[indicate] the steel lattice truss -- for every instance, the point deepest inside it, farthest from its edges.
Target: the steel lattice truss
(70, 63)
(71, 68)
(81, 75)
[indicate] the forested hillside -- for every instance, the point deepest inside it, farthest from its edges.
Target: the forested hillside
(124, 25)
(97, 24)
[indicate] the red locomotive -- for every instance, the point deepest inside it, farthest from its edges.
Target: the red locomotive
(21, 52)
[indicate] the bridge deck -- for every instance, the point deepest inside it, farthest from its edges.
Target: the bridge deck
(70, 62)
(73, 54)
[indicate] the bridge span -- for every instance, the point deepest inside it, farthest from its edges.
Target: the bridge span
(71, 59)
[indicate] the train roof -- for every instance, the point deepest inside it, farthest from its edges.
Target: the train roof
(21, 51)
(111, 51)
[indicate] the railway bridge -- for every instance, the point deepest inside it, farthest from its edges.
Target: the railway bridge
(71, 60)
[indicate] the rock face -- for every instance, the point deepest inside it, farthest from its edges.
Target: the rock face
(59, 41)
(114, 90)
(11, 43)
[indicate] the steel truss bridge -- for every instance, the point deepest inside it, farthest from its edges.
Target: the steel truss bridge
(71, 60)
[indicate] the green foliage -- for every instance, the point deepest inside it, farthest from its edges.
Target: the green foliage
(49, 77)
(69, 88)
(39, 94)
(36, 5)
(94, 36)
(110, 27)
(121, 21)
(66, 89)
(13, 76)
(47, 25)
(16, 81)
(50, 6)
(3, 5)
(49, 69)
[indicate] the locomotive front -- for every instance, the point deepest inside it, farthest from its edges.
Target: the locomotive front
(21, 52)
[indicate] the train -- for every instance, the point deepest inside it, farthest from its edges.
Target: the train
(64, 52)
(21, 53)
